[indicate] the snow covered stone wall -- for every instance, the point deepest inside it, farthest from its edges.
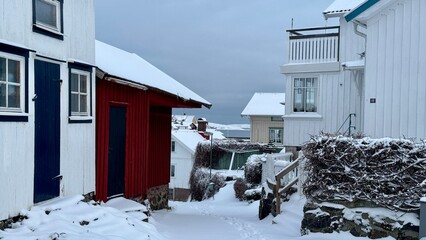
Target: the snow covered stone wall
(370, 187)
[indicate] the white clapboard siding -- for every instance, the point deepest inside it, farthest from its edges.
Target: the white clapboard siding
(395, 72)
(182, 158)
(77, 153)
(338, 95)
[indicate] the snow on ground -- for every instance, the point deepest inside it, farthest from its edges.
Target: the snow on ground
(223, 217)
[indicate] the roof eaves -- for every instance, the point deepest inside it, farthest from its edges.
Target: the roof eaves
(360, 9)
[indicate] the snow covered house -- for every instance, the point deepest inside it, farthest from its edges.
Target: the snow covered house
(184, 144)
(47, 82)
(367, 77)
(184, 122)
(266, 111)
(134, 103)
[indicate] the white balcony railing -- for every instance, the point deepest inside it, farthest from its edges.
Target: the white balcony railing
(314, 45)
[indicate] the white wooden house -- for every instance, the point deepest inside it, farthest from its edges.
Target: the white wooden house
(372, 79)
(47, 143)
(324, 78)
(184, 143)
(395, 69)
(265, 111)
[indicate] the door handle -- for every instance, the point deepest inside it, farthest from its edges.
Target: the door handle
(57, 176)
(34, 97)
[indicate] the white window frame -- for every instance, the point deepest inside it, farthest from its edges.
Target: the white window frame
(88, 93)
(282, 135)
(58, 26)
(316, 99)
(21, 60)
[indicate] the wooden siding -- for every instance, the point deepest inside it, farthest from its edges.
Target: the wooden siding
(77, 163)
(339, 94)
(183, 161)
(136, 101)
(259, 128)
(395, 72)
(160, 131)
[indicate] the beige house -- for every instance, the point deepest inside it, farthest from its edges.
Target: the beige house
(265, 111)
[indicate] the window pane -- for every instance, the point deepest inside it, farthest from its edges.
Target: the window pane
(14, 71)
(83, 84)
(298, 100)
(46, 13)
(14, 96)
(2, 95)
(74, 102)
(3, 69)
(74, 82)
(83, 103)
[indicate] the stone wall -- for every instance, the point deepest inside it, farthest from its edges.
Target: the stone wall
(361, 219)
(158, 197)
(181, 194)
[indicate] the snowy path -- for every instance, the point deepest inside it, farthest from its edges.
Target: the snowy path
(227, 218)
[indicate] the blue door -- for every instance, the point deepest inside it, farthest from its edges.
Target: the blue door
(47, 130)
(116, 150)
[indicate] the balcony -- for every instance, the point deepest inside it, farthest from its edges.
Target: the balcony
(313, 45)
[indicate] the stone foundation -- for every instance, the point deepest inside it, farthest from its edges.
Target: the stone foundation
(158, 197)
(181, 194)
(361, 219)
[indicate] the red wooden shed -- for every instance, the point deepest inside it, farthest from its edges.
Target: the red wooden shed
(134, 102)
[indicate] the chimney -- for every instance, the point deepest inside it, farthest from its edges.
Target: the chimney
(202, 124)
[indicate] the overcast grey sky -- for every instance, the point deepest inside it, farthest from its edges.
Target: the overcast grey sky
(224, 50)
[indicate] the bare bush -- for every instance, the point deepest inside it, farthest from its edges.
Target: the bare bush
(387, 172)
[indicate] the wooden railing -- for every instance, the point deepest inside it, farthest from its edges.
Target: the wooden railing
(314, 45)
(289, 182)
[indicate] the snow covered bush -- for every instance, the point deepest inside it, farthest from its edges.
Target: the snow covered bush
(253, 169)
(240, 187)
(220, 148)
(199, 183)
(387, 172)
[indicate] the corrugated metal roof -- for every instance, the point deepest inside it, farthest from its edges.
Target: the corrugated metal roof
(265, 104)
(340, 7)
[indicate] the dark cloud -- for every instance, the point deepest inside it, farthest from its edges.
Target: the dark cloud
(224, 50)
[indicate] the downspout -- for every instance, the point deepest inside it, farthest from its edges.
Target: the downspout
(357, 32)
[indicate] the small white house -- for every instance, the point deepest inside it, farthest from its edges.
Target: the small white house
(47, 82)
(184, 144)
(265, 111)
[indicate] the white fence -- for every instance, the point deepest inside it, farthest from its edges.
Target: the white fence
(317, 46)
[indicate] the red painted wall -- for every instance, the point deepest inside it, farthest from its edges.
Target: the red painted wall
(148, 136)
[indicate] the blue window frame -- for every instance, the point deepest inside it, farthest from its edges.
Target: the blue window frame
(13, 83)
(48, 18)
(80, 93)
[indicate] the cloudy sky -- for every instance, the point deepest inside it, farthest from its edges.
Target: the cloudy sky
(224, 50)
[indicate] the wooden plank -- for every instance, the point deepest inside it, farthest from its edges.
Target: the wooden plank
(289, 185)
(286, 170)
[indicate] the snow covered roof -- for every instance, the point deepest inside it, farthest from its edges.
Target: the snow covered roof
(189, 138)
(131, 67)
(265, 104)
(340, 7)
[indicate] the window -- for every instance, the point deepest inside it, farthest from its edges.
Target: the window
(79, 93)
(47, 17)
(12, 83)
(276, 135)
(173, 146)
(305, 94)
(172, 170)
